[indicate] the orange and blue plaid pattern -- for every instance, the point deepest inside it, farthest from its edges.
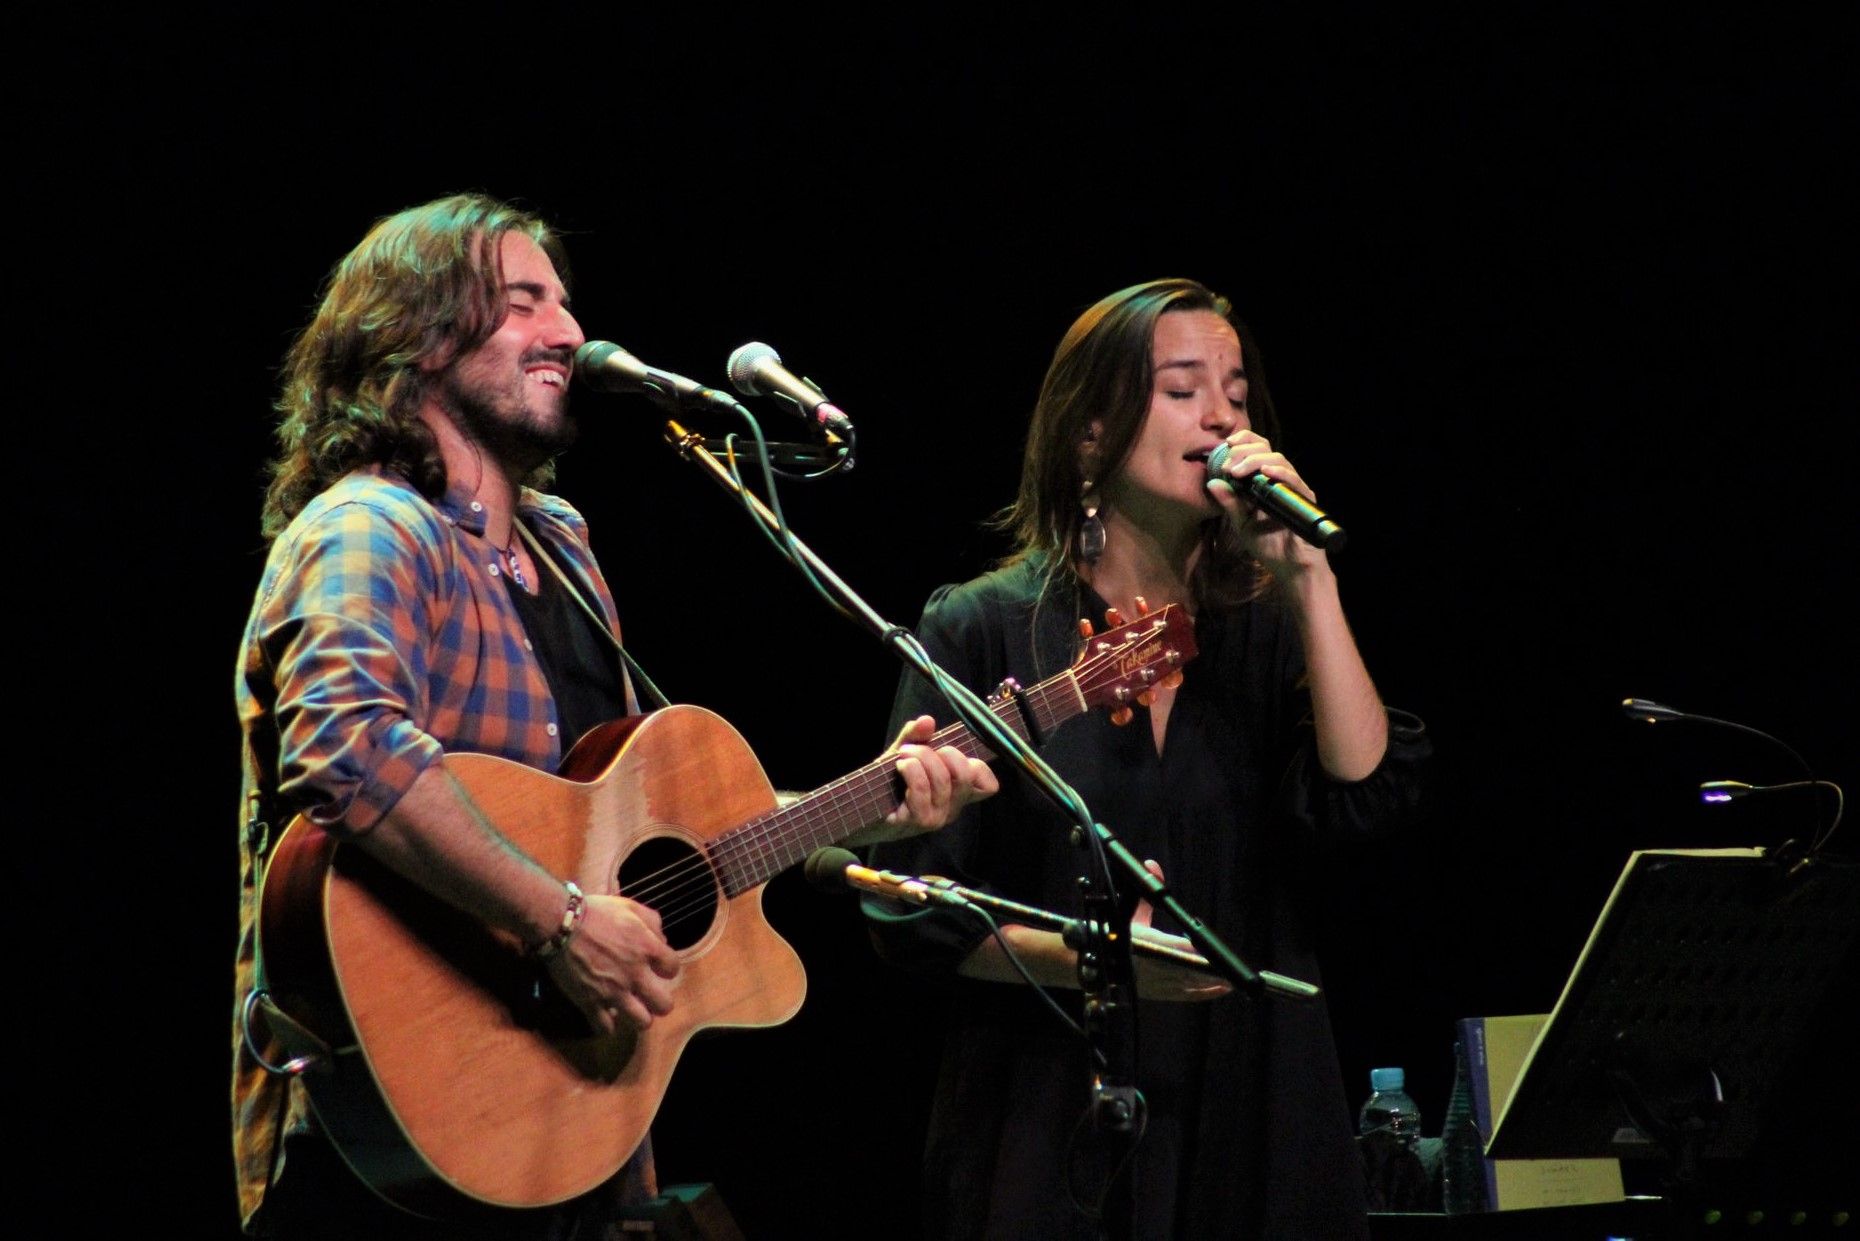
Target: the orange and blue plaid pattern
(381, 636)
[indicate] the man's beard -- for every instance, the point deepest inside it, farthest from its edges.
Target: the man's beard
(504, 424)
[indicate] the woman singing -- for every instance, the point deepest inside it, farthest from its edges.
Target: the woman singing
(1274, 746)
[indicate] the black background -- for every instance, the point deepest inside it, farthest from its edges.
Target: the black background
(1558, 308)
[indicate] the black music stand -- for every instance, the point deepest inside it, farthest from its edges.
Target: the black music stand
(1703, 973)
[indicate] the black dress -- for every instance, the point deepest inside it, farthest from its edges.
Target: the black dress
(1249, 1132)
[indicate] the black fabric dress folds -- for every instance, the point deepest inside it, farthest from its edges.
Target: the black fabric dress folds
(1249, 1133)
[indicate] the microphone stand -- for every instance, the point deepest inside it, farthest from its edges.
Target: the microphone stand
(1105, 970)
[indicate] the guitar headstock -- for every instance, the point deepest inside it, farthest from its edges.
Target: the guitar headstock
(1127, 662)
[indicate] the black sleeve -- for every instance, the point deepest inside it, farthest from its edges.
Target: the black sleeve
(1386, 800)
(957, 632)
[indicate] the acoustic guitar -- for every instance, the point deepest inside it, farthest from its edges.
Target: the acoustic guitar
(450, 1073)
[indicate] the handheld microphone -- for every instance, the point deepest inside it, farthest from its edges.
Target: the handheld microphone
(755, 369)
(1303, 518)
(606, 367)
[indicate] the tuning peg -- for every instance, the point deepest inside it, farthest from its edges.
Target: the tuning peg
(1121, 716)
(1085, 629)
(1113, 617)
(1173, 680)
(1146, 698)
(1143, 606)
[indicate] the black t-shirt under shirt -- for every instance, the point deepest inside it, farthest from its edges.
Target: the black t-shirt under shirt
(579, 662)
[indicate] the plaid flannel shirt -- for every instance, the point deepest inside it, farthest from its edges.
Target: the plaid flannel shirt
(381, 636)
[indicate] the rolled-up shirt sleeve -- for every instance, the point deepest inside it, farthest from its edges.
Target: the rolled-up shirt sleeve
(344, 635)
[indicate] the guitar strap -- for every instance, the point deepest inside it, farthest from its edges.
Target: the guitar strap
(630, 668)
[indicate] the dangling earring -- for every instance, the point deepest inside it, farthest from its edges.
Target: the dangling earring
(1091, 529)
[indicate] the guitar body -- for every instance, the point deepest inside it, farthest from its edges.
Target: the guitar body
(460, 1077)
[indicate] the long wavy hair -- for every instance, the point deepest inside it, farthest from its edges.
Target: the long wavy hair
(424, 286)
(1102, 373)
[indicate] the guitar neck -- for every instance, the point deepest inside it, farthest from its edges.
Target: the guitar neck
(764, 847)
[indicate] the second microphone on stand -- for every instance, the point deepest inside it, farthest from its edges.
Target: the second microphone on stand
(755, 369)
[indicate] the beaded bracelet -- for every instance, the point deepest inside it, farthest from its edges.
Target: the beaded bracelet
(571, 921)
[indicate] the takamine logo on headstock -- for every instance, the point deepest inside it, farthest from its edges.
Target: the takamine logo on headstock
(1131, 660)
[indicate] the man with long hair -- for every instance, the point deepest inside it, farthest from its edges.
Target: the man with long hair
(1274, 743)
(423, 597)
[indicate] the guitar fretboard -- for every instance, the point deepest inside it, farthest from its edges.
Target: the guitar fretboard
(764, 847)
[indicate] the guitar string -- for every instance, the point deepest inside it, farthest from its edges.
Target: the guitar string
(760, 834)
(765, 839)
(740, 863)
(760, 849)
(748, 850)
(763, 843)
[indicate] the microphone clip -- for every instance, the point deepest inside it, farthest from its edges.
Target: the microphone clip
(817, 459)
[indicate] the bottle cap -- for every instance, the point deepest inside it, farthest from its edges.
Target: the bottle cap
(1387, 1079)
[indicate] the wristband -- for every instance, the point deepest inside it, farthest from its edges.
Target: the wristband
(571, 921)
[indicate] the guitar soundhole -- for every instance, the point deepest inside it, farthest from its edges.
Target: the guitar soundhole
(676, 879)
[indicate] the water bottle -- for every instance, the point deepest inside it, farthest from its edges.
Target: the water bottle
(1462, 1168)
(1390, 1108)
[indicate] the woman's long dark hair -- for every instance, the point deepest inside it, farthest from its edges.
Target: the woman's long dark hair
(424, 284)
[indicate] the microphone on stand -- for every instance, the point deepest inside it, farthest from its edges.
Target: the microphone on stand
(1303, 518)
(831, 868)
(755, 369)
(606, 367)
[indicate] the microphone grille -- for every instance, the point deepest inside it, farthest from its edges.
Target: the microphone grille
(826, 868)
(743, 364)
(605, 365)
(593, 353)
(1217, 463)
